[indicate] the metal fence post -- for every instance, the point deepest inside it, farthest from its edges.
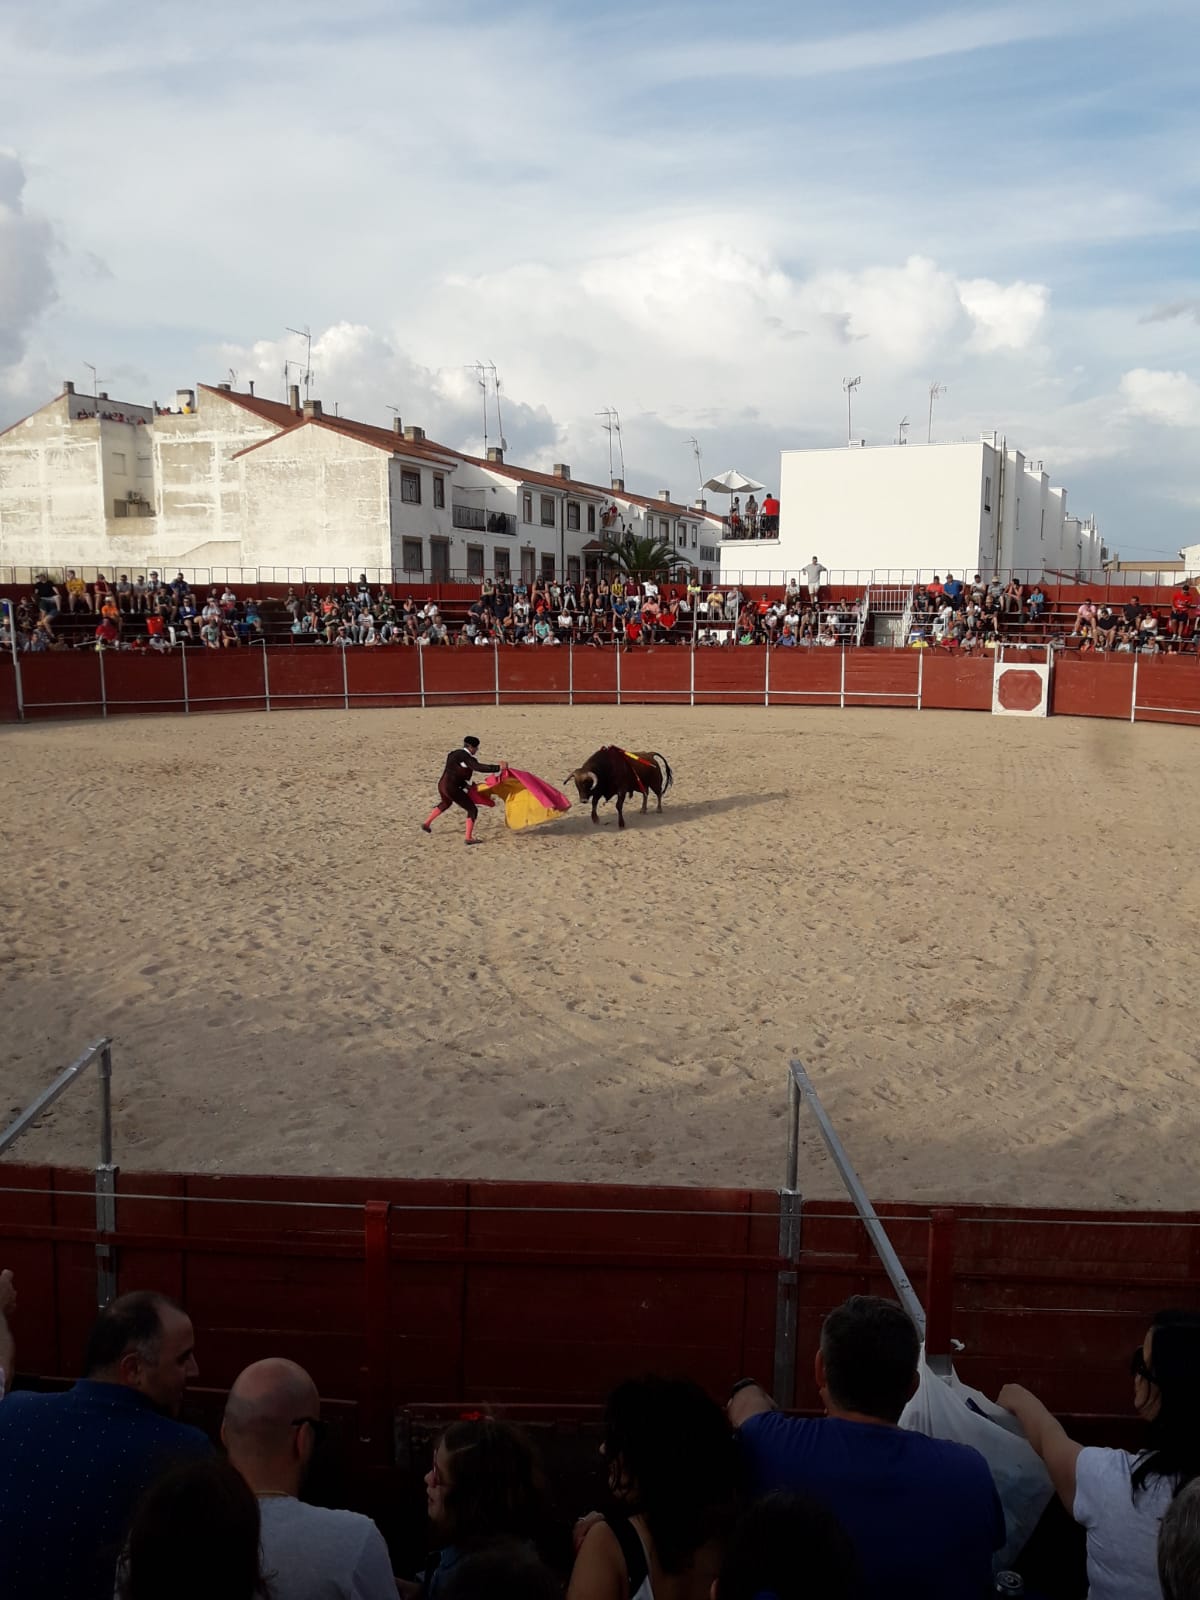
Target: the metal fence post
(266, 676)
(103, 687)
(939, 1290)
(106, 1189)
(571, 673)
(345, 676)
(920, 676)
(618, 671)
(183, 661)
(1133, 690)
(767, 677)
(420, 649)
(496, 669)
(692, 676)
(787, 1306)
(842, 691)
(16, 659)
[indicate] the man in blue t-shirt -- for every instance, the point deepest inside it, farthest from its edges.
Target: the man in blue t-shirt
(922, 1513)
(73, 1466)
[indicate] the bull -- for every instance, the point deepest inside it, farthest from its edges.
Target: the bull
(613, 773)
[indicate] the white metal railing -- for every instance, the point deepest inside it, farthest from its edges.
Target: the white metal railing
(105, 1171)
(906, 620)
(864, 611)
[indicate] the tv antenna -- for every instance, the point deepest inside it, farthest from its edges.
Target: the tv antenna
(849, 385)
(499, 418)
(287, 374)
(232, 378)
(612, 426)
(95, 385)
(305, 334)
(695, 444)
(902, 431)
(935, 390)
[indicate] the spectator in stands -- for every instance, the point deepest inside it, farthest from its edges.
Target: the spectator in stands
(1120, 1497)
(978, 590)
(769, 516)
(107, 636)
(49, 601)
(77, 597)
(1183, 607)
(952, 590)
(210, 633)
(484, 1488)
(1179, 1546)
(1014, 596)
(1108, 625)
(73, 1465)
(672, 1477)
(1036, 603)
(792, 1549)
(922, 1513)
(271, 1431)
(814, 572)
(195, 1537)
(100, 591)
(1086, 613)
(8, 1345)
(752, 517)
(933, 593)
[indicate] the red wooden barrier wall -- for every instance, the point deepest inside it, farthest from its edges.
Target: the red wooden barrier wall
(396, 1292)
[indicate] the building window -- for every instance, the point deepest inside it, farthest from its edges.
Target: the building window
(573, 515)
(145, 467)
(410, 487)
(547, 566)
(591, 519)
(694, 535)
(1043, 532)
(500, 566)
(439, 560)
(573, 568)
(474, 561)
(664, 528)
(439, 491)
(118, 462)
(707, 553)
(987, 494)
(547, 510)
(412, 554)
(526, 507)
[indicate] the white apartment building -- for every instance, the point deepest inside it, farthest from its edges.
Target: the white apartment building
(916, 509)
(234, 481)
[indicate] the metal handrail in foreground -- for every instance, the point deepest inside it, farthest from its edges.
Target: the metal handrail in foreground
(106, 1172)
(800, 1091)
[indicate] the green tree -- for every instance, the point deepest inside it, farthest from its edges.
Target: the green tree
(640, 558)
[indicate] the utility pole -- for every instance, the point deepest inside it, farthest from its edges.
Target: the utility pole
(850, 385)
(935, 389)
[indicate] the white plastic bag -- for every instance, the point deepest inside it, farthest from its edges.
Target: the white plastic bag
(941, 1410)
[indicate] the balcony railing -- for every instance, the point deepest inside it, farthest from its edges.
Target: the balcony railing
(476, 520)
(756, 527)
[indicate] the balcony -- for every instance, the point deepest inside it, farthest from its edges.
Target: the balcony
(742, 529)
(476, 520)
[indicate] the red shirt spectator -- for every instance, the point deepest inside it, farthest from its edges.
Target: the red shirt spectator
(106, 633)
(633, 632)
(769, 507)
(935, 588)
(154, 625)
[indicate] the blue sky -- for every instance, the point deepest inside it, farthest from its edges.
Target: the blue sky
(704, 215)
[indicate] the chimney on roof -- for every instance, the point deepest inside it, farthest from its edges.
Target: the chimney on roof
(68, 386)
(664, 494)
(495, 454)
(398, 426)
(414, 435)
(252, 388)
(700, 504)
(294, 396)
(103, 395)
(313, 408)
(618, 485)
(561, 469)
(226, 386)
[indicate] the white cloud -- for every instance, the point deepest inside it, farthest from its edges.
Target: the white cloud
(1171, 398)
(26, 274)
(1007, 316)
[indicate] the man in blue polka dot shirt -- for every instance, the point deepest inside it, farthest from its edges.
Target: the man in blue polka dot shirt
(73, 1466)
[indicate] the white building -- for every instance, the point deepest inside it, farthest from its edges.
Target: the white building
(902, 510)
(235, 481)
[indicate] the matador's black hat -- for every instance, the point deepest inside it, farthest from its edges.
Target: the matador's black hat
(471, 739)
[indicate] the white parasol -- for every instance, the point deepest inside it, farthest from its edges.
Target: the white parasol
(732, 482)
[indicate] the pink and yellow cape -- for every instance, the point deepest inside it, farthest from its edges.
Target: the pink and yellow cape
(528, 800)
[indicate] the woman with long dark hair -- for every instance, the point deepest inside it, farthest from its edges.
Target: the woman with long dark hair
(1119, 1496)
(195, 1536)
(672, 1475)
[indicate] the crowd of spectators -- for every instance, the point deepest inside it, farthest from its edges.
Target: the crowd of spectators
(977, 615)
(104, 1491)
(147, 612)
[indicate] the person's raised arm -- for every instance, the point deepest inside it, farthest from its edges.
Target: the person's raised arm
(1047, 1436)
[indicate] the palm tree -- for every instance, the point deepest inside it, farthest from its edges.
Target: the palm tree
(640, 558)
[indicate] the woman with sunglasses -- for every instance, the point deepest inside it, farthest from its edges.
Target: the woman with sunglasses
(672, 1476)
(1117, 1496)
(484, 1489)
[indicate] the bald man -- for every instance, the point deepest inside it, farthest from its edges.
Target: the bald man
(272, 1420)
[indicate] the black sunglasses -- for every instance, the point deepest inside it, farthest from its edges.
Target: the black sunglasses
(1138, 1367)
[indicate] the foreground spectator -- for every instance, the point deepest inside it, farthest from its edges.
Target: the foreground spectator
(1179, 1546)
(672, 1475)
(922, 1513)
(508, 1571)
(195, 1537)
(792, 1549)
(72, 1466)
(1117, 1496)
(271, 1431)
(484, 1489)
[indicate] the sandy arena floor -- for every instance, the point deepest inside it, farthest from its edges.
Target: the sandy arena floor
(980, 934)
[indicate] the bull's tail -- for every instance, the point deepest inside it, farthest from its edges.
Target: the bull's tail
(668, 775)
